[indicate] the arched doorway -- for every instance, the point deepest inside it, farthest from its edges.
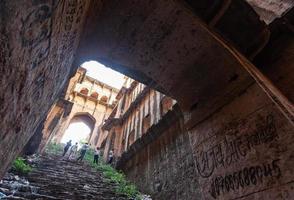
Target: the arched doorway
(80, 128)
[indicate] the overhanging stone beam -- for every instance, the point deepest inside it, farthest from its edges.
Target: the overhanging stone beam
(167, 46)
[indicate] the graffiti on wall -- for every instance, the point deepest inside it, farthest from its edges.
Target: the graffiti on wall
(248, 176)
(51, 28)
(227, 152)
(213, 162)
(73, 13)
(36, 30)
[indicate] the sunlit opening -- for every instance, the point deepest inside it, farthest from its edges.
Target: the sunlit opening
(77, 132)
(104, 74)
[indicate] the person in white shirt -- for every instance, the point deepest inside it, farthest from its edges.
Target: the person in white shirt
(72, 151)
(110, 157)
(96, 155)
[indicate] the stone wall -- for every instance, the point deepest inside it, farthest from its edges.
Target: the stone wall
(244, 150)
(139, 108)
(165, 167)
(33, 144)
(38, 40)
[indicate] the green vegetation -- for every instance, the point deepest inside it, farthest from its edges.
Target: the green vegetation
(53, 148)
(20, 167)
(123, 186)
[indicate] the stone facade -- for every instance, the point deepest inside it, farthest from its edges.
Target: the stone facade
(138, 108)
(161, 163)
(92, 101)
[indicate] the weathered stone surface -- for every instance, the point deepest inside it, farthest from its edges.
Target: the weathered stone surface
(163, 166)
(245, 150)
(55, 178)
(33, 144)
(236, 21)
(242, 150)
(138, 40)
(38, 40)
(153, 133)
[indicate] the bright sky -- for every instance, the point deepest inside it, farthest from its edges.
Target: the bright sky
(104, 74)
(76, 132)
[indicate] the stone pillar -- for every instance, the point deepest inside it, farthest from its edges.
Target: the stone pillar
(94, 135)
(62, 128)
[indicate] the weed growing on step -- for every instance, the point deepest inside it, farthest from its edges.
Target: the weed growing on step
(20, 167)
(123, 186)
(54, 148)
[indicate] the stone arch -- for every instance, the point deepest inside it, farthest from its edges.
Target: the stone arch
(87, 119)
(94, 95)
(86, 115)
(104, 99)
(84, 91)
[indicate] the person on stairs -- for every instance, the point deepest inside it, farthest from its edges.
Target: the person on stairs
(72, 151)
(110, 157)
(68, 144)
(96, 155)
(83, 151)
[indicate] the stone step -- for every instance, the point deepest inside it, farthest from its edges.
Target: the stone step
(58, 178)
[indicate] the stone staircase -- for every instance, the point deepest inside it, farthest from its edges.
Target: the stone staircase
(57, 178)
